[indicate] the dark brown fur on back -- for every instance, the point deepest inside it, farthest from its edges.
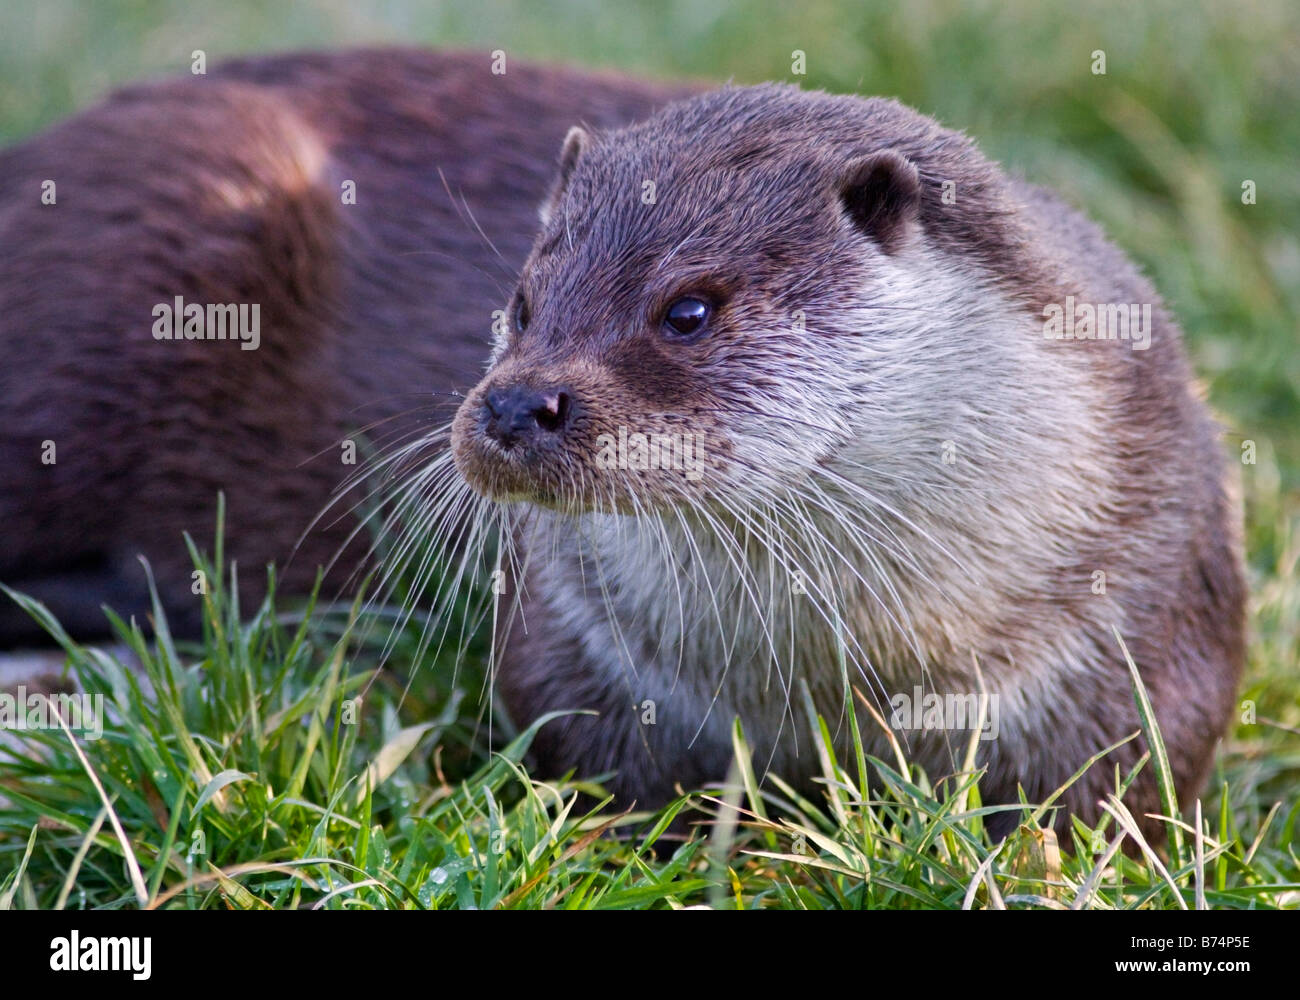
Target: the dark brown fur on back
(226, 188)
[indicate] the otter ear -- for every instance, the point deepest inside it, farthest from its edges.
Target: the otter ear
(881, 193)
(575, 143)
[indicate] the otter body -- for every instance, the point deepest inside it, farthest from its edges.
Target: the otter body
(873, 460)
(902, 473)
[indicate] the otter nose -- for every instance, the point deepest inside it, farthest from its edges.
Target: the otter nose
(518, 413)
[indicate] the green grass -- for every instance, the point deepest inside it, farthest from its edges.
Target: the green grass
(415, 803)
(274, 766)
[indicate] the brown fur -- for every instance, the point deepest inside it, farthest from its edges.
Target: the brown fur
(226, 188)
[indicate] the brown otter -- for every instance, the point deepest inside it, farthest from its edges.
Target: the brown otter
(772, 407)
(913, 463)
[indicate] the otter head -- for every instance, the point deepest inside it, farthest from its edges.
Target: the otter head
(708, 305)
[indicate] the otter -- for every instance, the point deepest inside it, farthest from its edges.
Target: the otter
(792, 396)
(801, 393)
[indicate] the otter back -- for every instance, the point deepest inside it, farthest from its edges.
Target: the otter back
(349, 221)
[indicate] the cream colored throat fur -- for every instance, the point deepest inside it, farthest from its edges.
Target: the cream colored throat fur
(931, 514)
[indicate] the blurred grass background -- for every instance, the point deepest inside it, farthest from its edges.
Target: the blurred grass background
(1196, 99)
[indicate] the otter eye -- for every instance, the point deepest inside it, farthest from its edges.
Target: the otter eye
(685, 316)
(522, 315)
